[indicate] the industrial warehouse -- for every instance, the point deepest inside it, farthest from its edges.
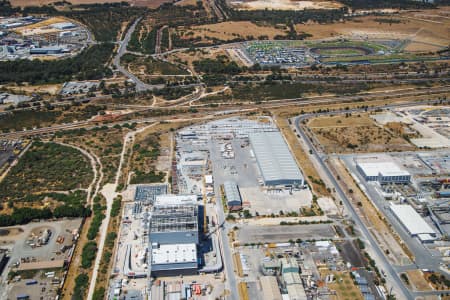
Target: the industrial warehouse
(275, 161)
(408, 190)
(413, 222)
(382, 169)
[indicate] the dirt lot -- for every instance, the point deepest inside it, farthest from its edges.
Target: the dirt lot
(284, 4)
(426, 30)
(344, 286)
(418, 281)
(355, 133)
(51, 89)
(232, 30)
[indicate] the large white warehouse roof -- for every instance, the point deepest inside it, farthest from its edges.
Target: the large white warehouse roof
(385, 168)
(275, 161)
(411, 220)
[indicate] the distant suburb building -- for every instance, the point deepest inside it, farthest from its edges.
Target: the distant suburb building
(275, 161)
(382, 169)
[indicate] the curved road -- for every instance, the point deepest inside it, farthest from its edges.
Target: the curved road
(140, 85)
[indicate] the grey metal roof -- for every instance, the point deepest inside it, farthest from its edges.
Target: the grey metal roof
(274, 158)
(232, 192)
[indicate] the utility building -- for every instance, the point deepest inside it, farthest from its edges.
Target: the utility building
(234, 200)
(275, 161)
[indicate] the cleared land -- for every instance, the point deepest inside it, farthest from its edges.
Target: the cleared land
(43, 27)
(355, 133)
(284, 5)
(230, 30)
(188, 57)
(343, 285)
(422, 30)
(417, 280)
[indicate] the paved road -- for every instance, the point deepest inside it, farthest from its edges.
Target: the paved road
(223, 235)
(393, 278)
(140, 86)
(251, 106)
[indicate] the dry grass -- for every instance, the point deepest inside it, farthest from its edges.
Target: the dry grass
(188, 57)
(51, 89)
(418, 281)
(355, 133)
(302, 157)
(344, 286)
(427, 30)
(160, 134)
(438, 285)
(186, 2)
(231, 30)
(243, 292)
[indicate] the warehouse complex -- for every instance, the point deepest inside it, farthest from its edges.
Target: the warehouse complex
(275, 161)
(382, 169)
(413, 222)
(174, 234)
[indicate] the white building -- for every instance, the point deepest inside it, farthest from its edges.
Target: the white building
(275, 161)
(63, 26)
(413, 222)
(174, 259)
(382, 169)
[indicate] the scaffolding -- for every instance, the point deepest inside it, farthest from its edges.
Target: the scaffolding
(174, 218)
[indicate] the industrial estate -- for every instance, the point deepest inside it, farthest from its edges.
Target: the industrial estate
(277, 150)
